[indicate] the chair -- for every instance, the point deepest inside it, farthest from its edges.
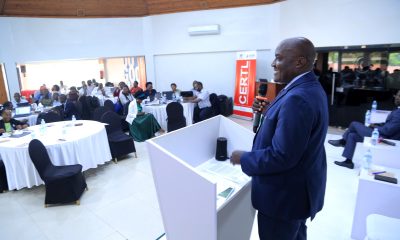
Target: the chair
(176, 119)
(214, 104)
(3, 178)
(64, 184)
(120, 143)
(124, 123)
(85, 111)
(49, 117)
(109, 104)
(98, 113)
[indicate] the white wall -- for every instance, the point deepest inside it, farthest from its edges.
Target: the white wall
(42, 39)
(210, 59)
(164, 41)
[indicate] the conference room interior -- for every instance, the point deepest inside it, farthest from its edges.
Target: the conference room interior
(119, 191)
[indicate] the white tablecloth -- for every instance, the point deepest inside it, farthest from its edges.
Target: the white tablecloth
(86, 145)
(160, 113)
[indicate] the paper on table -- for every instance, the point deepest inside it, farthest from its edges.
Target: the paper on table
(225, 170)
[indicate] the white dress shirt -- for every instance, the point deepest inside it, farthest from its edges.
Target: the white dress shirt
(205, 99)
(124, 99)
(23, 100)
(132, 111)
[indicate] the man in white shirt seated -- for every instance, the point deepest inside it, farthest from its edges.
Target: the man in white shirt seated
(194, 89)
(18, 99)
(203, 109)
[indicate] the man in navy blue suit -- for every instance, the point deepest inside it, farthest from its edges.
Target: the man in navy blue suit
(357, 131)
(287, 162)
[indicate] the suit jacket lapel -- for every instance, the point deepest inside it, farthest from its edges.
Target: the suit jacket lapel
(308, 77)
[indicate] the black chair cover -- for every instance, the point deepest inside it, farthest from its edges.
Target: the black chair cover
(98, 113)
(120, 143)
(109, 105)
(3, 178)
(64, 184)
(85, 110)
(214, 104)
(49, 117)
(176, 119)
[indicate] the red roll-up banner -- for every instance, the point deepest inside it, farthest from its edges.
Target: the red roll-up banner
(245, 83)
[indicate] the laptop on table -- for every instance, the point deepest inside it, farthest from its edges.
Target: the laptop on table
(22, 111)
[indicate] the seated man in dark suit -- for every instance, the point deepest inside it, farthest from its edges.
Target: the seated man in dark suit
(69, 108)
(150, 92)
(9, 124)
(357, 131)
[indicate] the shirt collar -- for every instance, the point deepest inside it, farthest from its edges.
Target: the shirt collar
(295, 79)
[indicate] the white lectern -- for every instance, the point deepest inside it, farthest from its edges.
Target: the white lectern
(188, 196)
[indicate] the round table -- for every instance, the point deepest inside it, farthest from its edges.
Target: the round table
(160, 113)
(66, 144)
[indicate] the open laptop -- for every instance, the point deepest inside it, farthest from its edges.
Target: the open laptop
(22, 111)
(168, 95)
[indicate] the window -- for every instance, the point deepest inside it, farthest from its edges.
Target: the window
(394, 61)
(333, 61)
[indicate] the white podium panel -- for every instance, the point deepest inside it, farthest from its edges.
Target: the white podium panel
(188, 180)
(374, 197)
(382, 154)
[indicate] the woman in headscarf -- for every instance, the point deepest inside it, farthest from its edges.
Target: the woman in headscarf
(142, 126)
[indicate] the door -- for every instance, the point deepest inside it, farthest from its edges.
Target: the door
(3, 90)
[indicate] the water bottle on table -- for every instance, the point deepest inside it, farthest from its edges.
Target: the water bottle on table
(42, 127)
(73, 120)
(375, 137)
(367, 118)
(367, 160)
(374, 106)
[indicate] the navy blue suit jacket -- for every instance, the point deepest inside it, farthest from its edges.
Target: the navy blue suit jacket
(391, 128)
(71, 109)
(288, 162)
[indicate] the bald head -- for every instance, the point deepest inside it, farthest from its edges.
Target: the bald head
(293, 56)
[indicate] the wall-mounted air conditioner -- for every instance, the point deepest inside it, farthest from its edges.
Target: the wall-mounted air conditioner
(204, 30)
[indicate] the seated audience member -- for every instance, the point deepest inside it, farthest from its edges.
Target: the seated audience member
(150, 92)
(125, 95)
(109, 84)
(135, 87)
(357, 131)
(18, 99)
(99, 91)
(175, 91)
(42, 93)
(83, 91)
(69, 108)
(96, 84)
(55, 89)
(8, 106)
(46, 100)
(73, 94)
(142, 126)
(90, 87)
(56, 100)
(203, 109)
(194, 89)
(9, 124)
(118, 90)
(259, 107)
